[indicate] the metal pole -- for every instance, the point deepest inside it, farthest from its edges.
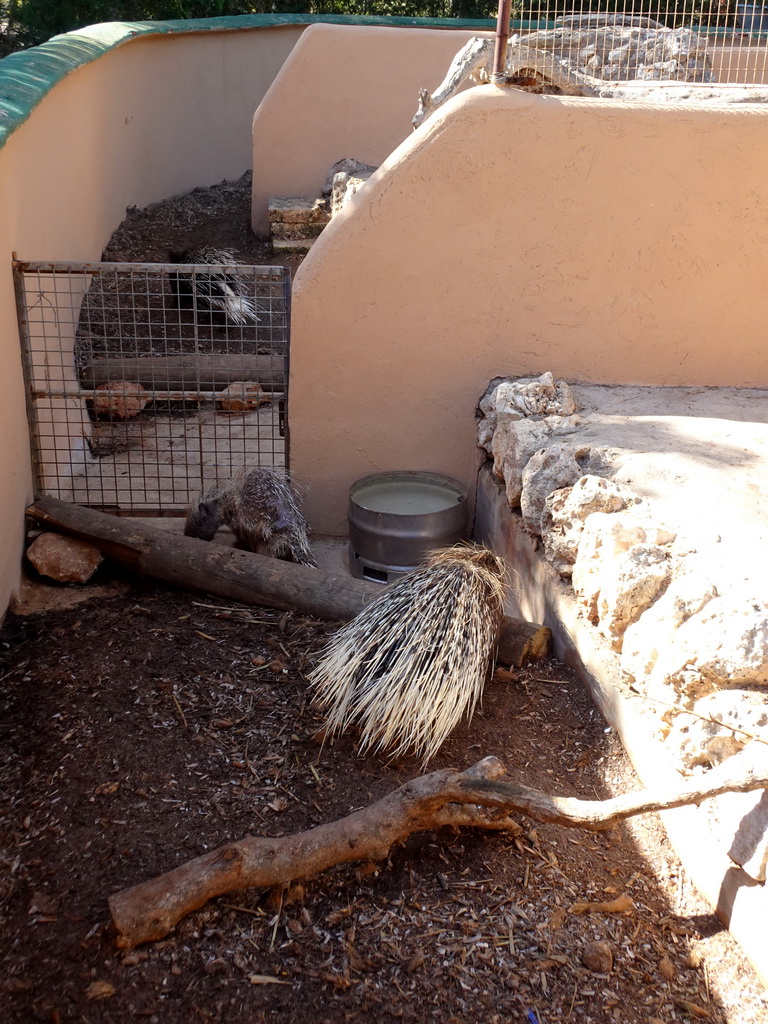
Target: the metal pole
(499, 74)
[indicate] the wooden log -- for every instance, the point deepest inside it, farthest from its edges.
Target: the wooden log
(482, 796)
(244, 576)
(208, 372)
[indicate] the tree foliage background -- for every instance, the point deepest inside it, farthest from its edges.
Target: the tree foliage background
(25, 23)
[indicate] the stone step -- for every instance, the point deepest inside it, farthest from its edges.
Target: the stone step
(298, 210)
(292, 244)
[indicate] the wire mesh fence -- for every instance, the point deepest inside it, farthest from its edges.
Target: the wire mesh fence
(701, 41)
(149, 382)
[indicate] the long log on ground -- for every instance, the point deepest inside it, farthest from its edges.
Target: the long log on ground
(178, 373)
(480, 797)
(244, 576)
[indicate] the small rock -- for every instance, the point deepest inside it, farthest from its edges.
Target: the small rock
(667, 969)
(598, 957)
(63, 558)
(630, 585)
(548, 470)
(241, 396)
(100, 990)
(120, 399)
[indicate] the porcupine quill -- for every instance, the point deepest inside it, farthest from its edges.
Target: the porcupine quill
(415, 660)
(261, 509)
(217, 293)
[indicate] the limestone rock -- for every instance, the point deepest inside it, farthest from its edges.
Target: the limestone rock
(63, 558)
(654, 632)
(513, 445)
(548, 470)
(747, 815)
(349, 166)
(296, 221)
(517, 418)
(725, 645)
(630, 585)
(606, 537)
(344, 187)
(300, 211)
(720, 726)
(508, 398)
(565, 511)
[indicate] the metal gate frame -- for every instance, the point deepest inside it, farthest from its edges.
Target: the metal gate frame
(52, 304)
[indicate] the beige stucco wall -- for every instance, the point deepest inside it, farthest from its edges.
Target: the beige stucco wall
(747, 64)
(150, 119)
(352, 91)
(515, 234)
(345, 91)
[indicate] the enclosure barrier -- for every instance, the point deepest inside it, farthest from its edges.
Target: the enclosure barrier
(139, 392)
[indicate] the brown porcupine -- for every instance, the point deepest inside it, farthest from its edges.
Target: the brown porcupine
(262, 510)
(416, 658)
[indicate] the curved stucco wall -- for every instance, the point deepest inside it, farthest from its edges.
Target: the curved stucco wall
(346, 91)
(141, 122)
(114, 115)
(515, 234)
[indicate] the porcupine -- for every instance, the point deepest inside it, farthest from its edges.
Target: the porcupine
(261, 509)
(215, 295)
(416, 658)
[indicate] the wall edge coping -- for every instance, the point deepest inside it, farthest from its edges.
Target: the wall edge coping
(27, 76)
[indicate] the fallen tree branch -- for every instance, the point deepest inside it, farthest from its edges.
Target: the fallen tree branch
(479, 797)
(244, 576)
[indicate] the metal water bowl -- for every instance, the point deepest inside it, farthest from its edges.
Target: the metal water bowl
(396, 518)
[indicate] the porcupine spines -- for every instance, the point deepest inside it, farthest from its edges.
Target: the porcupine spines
(215, 294)
(407, 668)
(266, 518)
(261, 509)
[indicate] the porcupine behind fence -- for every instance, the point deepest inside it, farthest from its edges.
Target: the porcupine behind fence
(261, 509)
(215, 295)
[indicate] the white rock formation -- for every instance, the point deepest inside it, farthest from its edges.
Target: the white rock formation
(629, 588)
(597, 54)
(722, 646)
(518, 417)
(658, 563)
(565, 511)
(605, 538)
(654, 633)
(546, 471)
(721, 724)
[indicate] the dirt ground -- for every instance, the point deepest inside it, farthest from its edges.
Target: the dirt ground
(139, 731)
(218, 215)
